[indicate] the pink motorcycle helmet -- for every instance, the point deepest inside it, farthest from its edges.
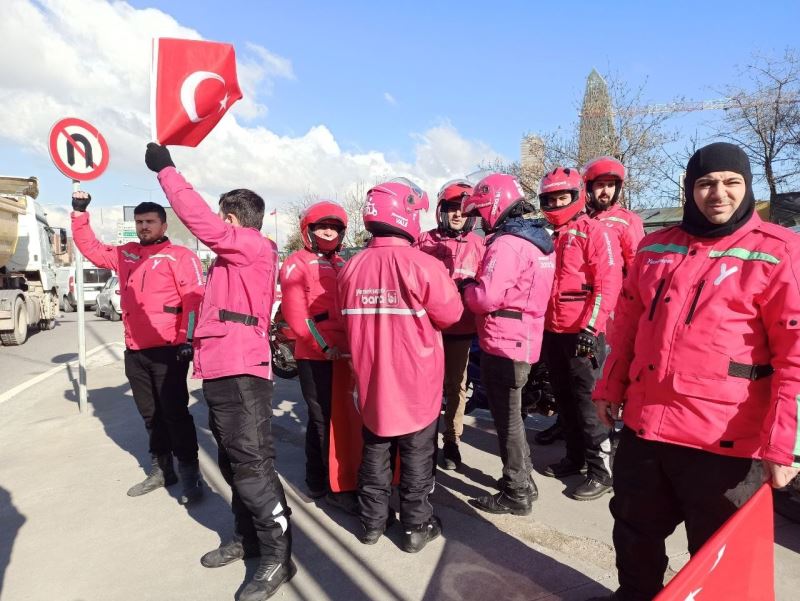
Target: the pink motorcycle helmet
(393, 208)
(493, 198)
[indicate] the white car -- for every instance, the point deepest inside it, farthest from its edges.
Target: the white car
(108, 301)
(94, 278)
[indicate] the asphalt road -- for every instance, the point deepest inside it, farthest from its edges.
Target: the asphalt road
(45, 350)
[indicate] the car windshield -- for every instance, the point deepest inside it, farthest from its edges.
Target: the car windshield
(96, 276)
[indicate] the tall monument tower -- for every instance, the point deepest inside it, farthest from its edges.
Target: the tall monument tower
(597, 136)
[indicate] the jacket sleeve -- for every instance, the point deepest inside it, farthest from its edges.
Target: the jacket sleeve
(622, 339)
(442, 301)
(222, 238)
(294, 305)
(497, 273)
(102, 255)
(605, 265)
(780, 308)
(189, 281)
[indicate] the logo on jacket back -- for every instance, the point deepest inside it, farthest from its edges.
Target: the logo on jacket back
(376, 296)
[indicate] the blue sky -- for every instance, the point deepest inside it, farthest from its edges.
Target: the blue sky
(352, 91)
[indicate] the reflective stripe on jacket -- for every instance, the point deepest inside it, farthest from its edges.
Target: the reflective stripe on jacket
(308, 285)
(700, 326)
(629, 228)
(160, 285)
(395, 299)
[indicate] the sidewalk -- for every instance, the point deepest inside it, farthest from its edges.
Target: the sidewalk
(69, 533)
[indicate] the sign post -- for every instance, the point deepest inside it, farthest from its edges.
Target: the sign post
(81, 153)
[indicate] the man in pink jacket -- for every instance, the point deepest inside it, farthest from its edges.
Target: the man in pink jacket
(604, 178)
(460, 250)
(509, 299)
(705, 355)
(395, 299)
(161, 286)
(232, 356)
(587, 284)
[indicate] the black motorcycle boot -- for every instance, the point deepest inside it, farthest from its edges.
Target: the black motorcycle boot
(532, 488)
(550, 435)
(451, 456)
(370, 536)
(229, 552)
(414, 540)
(591, 489)
(191, 482)
(268, 579)
(162, 473)
(504, 502)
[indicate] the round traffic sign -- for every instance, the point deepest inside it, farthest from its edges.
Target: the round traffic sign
(78, 150)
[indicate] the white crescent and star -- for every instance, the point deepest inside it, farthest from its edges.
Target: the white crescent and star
(189, 88)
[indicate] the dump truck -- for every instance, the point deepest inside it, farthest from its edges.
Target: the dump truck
(28, 293)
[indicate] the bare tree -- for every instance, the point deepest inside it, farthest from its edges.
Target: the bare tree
(764, 118)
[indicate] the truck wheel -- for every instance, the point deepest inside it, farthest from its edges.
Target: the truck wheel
(47, 324)
(19, 334)
(66, 306)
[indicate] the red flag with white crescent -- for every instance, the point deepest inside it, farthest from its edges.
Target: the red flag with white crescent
(192, 85)
(736, 563)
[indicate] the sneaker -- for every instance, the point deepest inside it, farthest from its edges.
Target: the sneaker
(415, 539)
(228, 553)
(563, 468)
(267, 580)
(550, 435)
(503, 503)
(590, 490)
(451, 456)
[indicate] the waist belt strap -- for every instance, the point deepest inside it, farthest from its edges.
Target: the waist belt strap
(749, 372)
(173, 310)
(587, 287)
(248, 320)
(320, 317)
(507, 313)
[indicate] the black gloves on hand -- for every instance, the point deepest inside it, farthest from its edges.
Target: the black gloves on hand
(157, 157)
(185, 352)
(80, 200)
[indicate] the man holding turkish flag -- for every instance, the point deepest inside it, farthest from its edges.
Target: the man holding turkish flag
(193, 83)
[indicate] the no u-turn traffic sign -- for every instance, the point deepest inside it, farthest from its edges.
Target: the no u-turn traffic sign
(78, 150)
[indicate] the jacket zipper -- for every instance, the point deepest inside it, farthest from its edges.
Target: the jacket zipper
(659, 290)
(694, 302)
(143, 276)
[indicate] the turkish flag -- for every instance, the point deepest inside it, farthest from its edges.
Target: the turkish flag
(736, 563)
(192, 85)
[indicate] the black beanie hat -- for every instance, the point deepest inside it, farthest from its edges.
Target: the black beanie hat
(719, 156)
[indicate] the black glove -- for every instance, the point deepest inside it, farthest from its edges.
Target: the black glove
(462, 284)
(585, 344)
(157, 157)
(80, 200)
(185, 352)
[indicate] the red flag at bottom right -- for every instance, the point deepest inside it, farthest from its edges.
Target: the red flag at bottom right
(736, 563)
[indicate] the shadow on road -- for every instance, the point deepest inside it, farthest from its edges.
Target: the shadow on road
(11, 520)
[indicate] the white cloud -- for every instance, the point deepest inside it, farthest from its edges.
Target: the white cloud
(389, 98)
(92, 58)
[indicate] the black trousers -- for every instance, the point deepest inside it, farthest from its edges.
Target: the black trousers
(316, 379)
(656, 487)
(416, 476)
(572, 379)
(504, 379)
(240, 415)
(158, 383)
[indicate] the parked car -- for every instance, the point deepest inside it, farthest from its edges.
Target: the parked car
(94, 278)
(108, 301)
